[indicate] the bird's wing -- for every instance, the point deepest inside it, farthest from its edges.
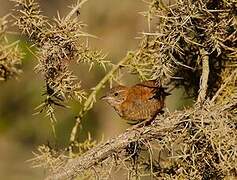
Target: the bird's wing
(154, 89)
(149, 84)
(140, 103)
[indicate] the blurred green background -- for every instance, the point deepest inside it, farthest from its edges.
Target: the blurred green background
(117, 23)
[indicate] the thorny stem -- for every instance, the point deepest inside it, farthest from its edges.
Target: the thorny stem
(74, 10)
(204, 77)
(91, 98)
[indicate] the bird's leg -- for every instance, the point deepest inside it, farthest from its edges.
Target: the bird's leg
(149, 121)
(140, 124)
(133, 123)
(146, 122)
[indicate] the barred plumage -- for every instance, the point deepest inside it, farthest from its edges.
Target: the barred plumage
(139, 102)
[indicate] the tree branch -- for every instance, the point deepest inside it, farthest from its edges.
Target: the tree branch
(108, 148)
(165, 129)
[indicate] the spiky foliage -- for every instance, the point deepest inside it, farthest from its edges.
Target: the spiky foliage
(53, 158)
(193, 44)
(195, 143)
(59, 42)
(171, 51)
(10, 55)
(48, 157)
(199, 143)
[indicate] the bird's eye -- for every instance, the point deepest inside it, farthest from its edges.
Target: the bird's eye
(116, 94)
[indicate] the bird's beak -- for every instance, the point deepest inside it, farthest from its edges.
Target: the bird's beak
(103, 98)
(106, 98)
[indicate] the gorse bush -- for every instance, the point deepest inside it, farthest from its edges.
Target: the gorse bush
(59, 42)
(172, 51)
(10, 55)
(189, 43)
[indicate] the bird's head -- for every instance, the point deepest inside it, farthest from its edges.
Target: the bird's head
(116, 96)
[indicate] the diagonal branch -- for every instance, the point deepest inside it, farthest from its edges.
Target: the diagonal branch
(170, 126)
(106, 149)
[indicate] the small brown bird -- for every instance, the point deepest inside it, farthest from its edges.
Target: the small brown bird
(140, 102)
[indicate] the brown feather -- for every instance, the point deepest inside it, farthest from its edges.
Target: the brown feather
(139, 102)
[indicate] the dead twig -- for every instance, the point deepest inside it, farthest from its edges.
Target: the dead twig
(204, 77)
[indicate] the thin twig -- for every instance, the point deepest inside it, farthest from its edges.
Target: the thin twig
(204, 77)
(91, 98)
(74, 10)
